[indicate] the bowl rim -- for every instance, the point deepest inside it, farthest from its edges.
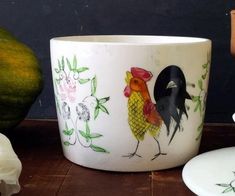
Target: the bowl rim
(131, 39)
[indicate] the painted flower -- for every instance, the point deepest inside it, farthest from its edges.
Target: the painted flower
(66, 111)
(83, 112)
(68, 89)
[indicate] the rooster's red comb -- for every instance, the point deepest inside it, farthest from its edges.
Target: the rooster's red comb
(141, 73)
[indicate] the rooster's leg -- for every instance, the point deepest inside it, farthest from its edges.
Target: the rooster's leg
(130, 155)
(159, 150)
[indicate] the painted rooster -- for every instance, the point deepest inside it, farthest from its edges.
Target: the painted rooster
(145, 116)
(142, 113)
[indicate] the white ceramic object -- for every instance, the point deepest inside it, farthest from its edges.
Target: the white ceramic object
(10, 168)
(233, 117)
(211, 173)
(130, 103)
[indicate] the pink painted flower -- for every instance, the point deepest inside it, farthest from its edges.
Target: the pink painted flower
(68, 89)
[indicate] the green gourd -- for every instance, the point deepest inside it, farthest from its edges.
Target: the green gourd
(20, 80)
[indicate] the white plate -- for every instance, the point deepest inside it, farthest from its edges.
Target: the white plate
(211, 173)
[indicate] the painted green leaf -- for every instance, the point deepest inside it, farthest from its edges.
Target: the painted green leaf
(58, 80)
(223, 185)
(57, 70)
(103, 100)
(68, 132)
(69, 64)
(200, 106)
(234, 189)
(87, 129)
(83, 81)
(81, 69)
(59, 64)
(98, 149)
(83, 134)
(205, 65)
(95, 135)
(62, 63)
(74, 63)
(199, 136)
(228, 190)
(96, 112)
(200, 84)
(103, 109)
(197, 106)
(200, 127)
(195, 98)
(93, 86)
(204, 76)
(66, 143)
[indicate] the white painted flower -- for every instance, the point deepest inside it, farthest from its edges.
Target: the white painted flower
(83, 112)
(66, 111)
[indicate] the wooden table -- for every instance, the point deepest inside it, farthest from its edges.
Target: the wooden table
(47, 172)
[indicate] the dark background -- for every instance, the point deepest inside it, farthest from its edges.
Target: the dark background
(36, 22)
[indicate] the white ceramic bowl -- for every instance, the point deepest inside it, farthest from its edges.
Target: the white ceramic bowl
(130, 103)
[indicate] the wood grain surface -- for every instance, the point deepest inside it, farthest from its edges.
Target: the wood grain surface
(47, 172)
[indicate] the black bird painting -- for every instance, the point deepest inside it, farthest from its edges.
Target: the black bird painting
(170, 95)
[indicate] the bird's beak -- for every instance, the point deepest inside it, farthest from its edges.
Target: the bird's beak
(171, 84)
